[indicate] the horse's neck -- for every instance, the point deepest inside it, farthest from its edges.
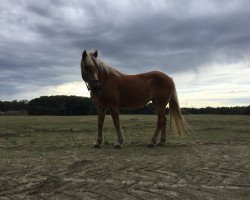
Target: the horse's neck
(107, 73)
(103, 77)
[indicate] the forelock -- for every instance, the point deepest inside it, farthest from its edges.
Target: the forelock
(88, 60)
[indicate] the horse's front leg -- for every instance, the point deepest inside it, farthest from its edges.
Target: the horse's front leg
(101, 116)
(114, 111)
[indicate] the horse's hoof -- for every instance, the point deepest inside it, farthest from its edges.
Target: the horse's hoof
(117, 146)
(150, 145)
(97, 146)
(160, 144)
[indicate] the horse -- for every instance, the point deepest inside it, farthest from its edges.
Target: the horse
(112, 90)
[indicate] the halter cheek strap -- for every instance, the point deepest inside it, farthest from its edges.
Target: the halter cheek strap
(85, 79)
(87, 85)
(91, 83)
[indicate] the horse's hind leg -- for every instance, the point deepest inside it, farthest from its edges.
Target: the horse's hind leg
(163, 132)
(114, 111)
(161, 125)
(101, 116)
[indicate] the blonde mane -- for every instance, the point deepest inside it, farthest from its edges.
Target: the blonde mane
(103, 68)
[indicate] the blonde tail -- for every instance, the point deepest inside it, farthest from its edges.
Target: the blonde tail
(178, 125)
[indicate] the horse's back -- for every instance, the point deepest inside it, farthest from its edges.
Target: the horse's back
(154, 80)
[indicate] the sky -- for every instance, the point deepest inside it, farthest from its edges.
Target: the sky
(203, 44)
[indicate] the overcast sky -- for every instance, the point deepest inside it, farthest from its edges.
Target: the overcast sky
(203, 44)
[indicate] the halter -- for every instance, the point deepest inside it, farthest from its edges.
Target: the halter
(86, 82)
(87, 85)
(92, 82)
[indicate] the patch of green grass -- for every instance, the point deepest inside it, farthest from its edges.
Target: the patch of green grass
(51, 131)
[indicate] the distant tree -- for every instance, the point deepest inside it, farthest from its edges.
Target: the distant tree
(243, 110)
(61, 105)
(13, 105)
(74, 105)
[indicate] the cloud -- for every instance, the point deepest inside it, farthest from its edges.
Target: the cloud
(215, 85)
(41, 41)
(29, 92)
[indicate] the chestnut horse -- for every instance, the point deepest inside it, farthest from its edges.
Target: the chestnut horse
(110, 89)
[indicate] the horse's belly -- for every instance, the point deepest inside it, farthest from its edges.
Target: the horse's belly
(134, 100)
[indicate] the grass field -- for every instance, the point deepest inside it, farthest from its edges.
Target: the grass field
(47, 157)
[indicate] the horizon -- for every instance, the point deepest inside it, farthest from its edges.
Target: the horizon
(203, 45)
(188, 107)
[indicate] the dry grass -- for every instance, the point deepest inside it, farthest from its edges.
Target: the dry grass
(46, 157)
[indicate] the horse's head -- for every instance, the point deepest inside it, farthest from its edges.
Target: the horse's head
(90, 72)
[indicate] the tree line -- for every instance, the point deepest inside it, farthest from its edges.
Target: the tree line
(75, 105)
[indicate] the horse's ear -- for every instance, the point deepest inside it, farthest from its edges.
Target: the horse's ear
(84, 54)
(95, 53)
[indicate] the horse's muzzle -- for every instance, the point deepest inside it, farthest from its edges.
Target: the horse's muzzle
(95, 86)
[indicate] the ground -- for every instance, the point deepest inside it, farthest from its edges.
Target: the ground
(45, 157)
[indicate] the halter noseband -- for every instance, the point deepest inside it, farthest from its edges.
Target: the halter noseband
(90, 85)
